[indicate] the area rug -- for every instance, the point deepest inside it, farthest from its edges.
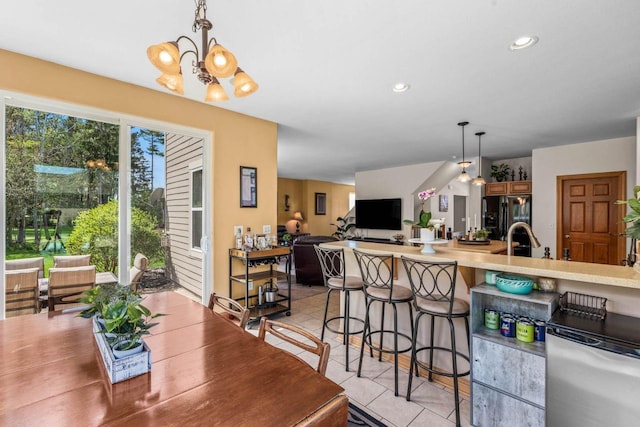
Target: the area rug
(359, 417)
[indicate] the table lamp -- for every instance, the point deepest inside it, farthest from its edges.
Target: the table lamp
(298, 217)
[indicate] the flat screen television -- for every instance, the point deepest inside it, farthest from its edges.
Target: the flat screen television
(379, 214)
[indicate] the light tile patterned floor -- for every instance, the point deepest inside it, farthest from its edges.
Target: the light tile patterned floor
(431, 404)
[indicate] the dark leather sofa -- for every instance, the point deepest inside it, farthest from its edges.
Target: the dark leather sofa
(308, 271)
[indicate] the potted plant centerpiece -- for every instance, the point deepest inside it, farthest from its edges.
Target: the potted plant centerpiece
(481, 234)
(427, 233)
(123, 317)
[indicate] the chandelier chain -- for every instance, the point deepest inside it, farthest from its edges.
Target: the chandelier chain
(200, 15)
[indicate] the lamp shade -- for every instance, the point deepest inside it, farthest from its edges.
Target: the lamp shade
(173, 82)
(165, 57)
(220, 62)
(243, 85)
(298, 216)
(479, 180)
(215, 92)
(463, 177)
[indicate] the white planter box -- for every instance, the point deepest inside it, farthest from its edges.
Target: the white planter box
(125, 368)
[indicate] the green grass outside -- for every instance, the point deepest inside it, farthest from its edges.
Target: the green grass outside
(28, 249)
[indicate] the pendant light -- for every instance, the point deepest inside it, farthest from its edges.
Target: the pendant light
(479, 180)
(464, 176)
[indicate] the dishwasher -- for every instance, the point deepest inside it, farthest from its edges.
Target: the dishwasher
(593, 369)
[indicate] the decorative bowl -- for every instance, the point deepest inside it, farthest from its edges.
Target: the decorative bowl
(514, 284)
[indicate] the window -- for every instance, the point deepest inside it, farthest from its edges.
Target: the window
(196, 208)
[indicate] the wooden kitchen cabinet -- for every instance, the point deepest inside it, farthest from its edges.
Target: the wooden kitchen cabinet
(507, 375)
(507, 188)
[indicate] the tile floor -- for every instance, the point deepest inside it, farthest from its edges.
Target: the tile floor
(431, 404)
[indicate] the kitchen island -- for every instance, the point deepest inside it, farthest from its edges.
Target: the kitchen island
(620, 285)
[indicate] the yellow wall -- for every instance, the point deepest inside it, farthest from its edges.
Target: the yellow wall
(237, 139)
(302, 197)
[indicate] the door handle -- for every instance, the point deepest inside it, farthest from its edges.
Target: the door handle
(567, 236)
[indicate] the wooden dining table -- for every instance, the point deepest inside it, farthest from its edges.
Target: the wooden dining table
(205, 371)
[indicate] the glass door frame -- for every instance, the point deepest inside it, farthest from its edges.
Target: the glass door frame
(126, 122)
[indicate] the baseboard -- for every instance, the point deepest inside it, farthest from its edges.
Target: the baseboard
(404, 360)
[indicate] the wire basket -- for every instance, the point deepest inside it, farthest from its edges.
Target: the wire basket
(583, 305)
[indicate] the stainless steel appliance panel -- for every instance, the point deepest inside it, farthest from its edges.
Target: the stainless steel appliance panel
(588, 385)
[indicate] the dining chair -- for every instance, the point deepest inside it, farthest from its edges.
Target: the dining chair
(21, 292)
(335, 279)
(229, 309)
(66, 285)
(67, 261)
(311, 343)
(378, 272)
(433, 285)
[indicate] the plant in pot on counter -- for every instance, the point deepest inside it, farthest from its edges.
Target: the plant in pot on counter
(482, 234)
(425, 216)
(633, 226)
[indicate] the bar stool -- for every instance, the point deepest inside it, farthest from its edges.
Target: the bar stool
(433, 285)
(377, 276)
(335, 279)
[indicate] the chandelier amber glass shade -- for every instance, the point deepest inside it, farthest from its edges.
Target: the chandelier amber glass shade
(243, 85)
(173, 82)
(220, 62)
(215, 92)
(165, 57)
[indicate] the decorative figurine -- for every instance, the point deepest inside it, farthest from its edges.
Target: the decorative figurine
(513, 175)
(525, 175)
(520, 172)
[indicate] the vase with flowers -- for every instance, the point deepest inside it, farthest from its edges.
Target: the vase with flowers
(427, 233)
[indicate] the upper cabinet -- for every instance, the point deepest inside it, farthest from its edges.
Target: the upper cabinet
(511, 187)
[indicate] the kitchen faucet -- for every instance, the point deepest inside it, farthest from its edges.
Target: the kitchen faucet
(534, 240)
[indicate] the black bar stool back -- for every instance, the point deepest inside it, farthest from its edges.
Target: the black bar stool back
(433, 285)
(335, 279)
(377, 276)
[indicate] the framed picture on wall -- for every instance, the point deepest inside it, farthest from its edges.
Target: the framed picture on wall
(321, 203)
(443, 203)
(248, 187)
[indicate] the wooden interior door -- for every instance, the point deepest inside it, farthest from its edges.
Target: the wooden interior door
(590, 223)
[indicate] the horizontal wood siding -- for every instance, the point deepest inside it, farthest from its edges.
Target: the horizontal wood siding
(182, 268)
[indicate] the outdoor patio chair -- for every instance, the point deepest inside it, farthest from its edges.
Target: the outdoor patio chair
(67, 284)
(67, 261)
(140, 263)
(229, 309)
(21, 292)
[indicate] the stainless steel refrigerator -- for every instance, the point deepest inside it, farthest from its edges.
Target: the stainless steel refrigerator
(499, 212)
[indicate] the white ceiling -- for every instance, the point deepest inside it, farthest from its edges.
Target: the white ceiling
(326, 69)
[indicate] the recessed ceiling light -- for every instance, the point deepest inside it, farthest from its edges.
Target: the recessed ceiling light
(400, 87)
(523, 42)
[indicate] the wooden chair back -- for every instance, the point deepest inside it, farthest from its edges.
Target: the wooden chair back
(311, 344)
(67, 284)
(21, 292)
(229, 309)
(68, 261)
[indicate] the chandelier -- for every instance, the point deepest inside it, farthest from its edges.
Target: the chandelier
(212, 61)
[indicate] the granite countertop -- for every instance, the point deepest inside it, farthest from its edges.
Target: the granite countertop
(611, 275)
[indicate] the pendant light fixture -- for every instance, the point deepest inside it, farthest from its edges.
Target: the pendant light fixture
(464, 176)
(211, 63)
(479, 180)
